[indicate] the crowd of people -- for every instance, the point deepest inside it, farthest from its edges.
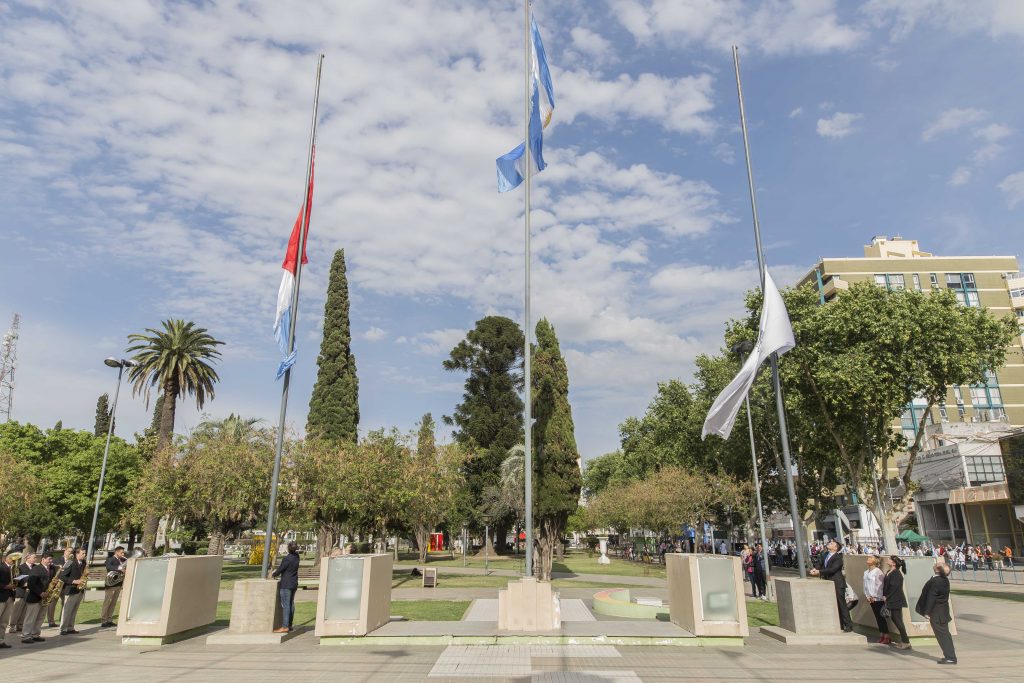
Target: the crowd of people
(33, 586)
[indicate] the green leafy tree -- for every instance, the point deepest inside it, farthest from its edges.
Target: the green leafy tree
(177, 361)
(334, 405)
(320, 496)
(103, 416)
(432, 479)
(556, 471)
(603, 472)
(224, 468)
(489, 420)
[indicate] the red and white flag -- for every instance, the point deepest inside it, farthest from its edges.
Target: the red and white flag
(286, 292)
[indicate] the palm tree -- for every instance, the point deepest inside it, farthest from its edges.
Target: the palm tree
(234, 427)
(176, 362)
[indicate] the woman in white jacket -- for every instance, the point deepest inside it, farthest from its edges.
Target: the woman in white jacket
(873, 578)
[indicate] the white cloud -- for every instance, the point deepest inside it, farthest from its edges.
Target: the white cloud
(374, 334)
(952, 120)
(775, 28)
(994, 17)
(591, 44)
(1013, 188)
(725, 153)
(839, 125)
(961, 176)
(796, 112)
(435, 342)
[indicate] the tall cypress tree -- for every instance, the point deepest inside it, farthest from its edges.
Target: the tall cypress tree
(102, 423)
(557, 479)
(334, 405)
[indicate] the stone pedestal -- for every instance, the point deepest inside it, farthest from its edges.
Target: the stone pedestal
(705, 595)
(529, 605)
(255, 613)
(603, 545)
(919, 570)
(354, 597)
(808, 614)
(168, 598)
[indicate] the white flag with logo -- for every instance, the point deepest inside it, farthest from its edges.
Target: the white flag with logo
(775, 335)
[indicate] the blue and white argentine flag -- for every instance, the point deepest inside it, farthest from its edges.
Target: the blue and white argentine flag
(542, 105)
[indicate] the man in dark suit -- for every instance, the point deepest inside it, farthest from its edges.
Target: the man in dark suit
(35, 588)
(17, 617)
(831, 568)
(51, 572)
(74, 591)
(115, 563)
(934, 605)
(7, 569)
(288, 570)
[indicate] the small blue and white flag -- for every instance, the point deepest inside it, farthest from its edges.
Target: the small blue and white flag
(542, 106)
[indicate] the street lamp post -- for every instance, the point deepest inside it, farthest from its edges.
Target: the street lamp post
(120, 365)
(487, 543)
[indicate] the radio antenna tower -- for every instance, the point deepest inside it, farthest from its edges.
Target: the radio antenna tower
(8, 361)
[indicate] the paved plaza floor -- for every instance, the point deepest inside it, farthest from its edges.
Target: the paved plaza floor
(990, 647)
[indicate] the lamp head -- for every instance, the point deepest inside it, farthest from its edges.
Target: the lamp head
(112, 363)
(742, 347)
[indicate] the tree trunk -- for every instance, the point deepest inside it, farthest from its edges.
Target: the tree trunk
(164, 441)
(423, 541)
(498, 534)
(325, 541)
(547, 540)
(216, 546)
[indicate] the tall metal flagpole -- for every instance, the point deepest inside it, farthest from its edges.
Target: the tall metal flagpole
(528, 389)
(272, 509)
(774, 360)
(760, 508)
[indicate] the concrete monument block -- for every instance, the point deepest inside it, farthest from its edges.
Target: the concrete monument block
(705, 594)
(808, 614)
(168, 598)
(255, 613)
(529, 605)
(919, 570)
(354, 596)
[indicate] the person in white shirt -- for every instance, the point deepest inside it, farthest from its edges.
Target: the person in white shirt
(873, 578)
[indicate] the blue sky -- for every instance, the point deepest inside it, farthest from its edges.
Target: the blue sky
(152, 158)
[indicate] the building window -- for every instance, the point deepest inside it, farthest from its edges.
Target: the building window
(934, 280)
(917, 281)
(1017, 292)
(964, 287)
(890, 281)
(987, 399)
(942, 412)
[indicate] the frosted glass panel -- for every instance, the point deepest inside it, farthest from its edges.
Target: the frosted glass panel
(147, 598)
(919, 570)
(344, 589)
(717, 589)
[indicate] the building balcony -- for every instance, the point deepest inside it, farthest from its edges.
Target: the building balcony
(834, 285)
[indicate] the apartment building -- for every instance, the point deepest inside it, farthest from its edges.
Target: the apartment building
(991, 282)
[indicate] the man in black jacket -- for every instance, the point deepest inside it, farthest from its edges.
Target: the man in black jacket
(17, 617)
(115, 563)
(35, 588)
(934, 605)
(831, 568)
(74, 591)
(6, 596)
(288, 570)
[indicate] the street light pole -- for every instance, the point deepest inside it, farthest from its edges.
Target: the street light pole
(120, 365)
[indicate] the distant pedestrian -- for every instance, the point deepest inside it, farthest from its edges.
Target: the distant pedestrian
(288, 570)
(934, 605)
(723, 549)
(831, 568)
(873, 580)
(759, 579)
(895, 598)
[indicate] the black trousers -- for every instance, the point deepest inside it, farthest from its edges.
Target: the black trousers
(896, 617)
(844, 610)
(876, 607)
(760, 585)
(942, 635)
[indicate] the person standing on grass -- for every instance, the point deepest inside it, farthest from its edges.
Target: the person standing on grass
(934, 606)
(288, 570)
(873, 580)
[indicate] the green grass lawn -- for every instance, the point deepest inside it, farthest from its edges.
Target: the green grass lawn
(998, 595)
(760, 613)
(579, 563)
(305, 612)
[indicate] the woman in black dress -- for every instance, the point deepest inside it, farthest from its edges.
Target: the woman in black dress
(895, 598)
